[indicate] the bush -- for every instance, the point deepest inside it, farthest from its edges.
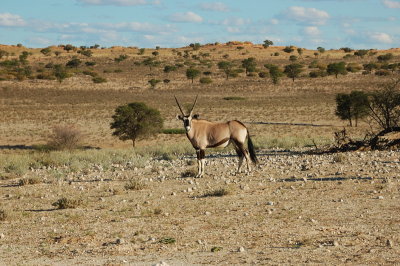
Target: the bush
(135, 184)
(174, 131)
(353, 67)
(385, 57)
(90, 63)
(317, 74)
(153, 82)
(99, 79)
(220, 192)
(382, 72)
(205, 80)
(263, 74)
(65, 137)
(3, 215)
(65, 203)
(29, 181)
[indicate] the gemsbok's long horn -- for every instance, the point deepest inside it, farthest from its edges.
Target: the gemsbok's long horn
(195, 101)
(179, 106)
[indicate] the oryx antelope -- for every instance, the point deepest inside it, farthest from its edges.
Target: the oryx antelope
(204, 134)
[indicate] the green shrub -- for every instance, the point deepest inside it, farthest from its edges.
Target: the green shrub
(167, 240)
(99, 79)
(174, 131)
(205, 80)
(234, 98)
(382, 72)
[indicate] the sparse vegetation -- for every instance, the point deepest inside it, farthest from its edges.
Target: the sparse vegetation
(65, 203)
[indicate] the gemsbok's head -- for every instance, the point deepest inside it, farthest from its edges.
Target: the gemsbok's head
(187, 119)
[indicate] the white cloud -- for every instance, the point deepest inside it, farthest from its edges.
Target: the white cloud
(274, 21)
(381, 37)
(233, 29)
(217, 6)
(391, 4)
(11, 20)
(117, 2)
(40, 41)
(235, 22)
(306, 15)
(311, 30)
(186, 17)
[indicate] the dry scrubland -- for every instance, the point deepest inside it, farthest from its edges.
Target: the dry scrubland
(115, 205)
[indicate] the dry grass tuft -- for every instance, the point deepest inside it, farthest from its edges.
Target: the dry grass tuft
(29, 181)
(65, 203)
(189, 173)
(3, 215)
(220, 192)
(135, 184)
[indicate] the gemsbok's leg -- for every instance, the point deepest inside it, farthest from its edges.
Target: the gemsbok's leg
(246, 154)
(198, 163)
(240, 154)
(203, 162)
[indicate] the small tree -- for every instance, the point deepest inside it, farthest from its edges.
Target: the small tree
(300, 51)
(46, 51)
(267, 43)
(192, 73)
(154, 82)
(60, 72)
(337, 68)
(321, 50)
(227, 67)
(169, 68)
(274, 72)
(288, 49)
(121, 58)
(385, 57)
(23, 58)
(352, 106)
(361, 53)
(69, 47)
(141, 51)
(249, 64)
(293, 58)
(151, 62)
(74, 63)
(293, 70)
(3, 53)
(384, 105)
(136, 120)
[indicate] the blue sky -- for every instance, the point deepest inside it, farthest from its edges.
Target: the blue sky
(176, 23)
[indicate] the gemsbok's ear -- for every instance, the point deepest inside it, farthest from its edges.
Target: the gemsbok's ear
(179, 117)
(196, 116)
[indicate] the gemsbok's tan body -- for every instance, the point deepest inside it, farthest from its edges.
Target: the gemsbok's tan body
(204, 134)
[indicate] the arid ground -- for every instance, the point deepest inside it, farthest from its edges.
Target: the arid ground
(110, 204)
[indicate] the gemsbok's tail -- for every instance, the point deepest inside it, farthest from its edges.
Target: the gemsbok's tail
(252, 152)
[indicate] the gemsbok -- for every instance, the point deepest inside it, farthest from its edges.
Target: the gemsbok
(205, 134)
